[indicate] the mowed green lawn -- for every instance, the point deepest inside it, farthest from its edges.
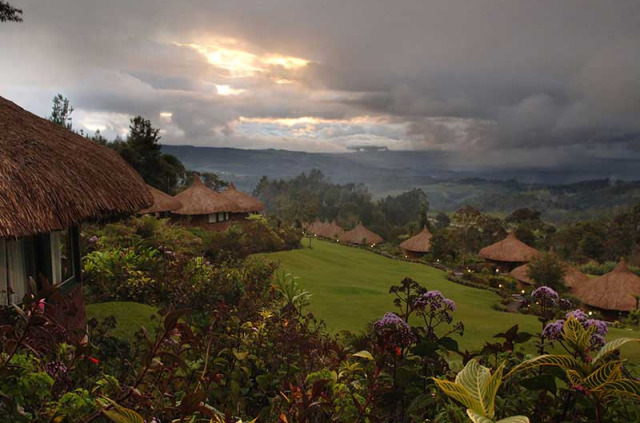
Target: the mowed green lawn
(350, 287)
(130, 316)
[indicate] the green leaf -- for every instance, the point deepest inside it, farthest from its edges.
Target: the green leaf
(564, 361)
(491, 390)
(623, 387)
(474, 378)
(240, 355)
(119, 414)
(606, 373)
(458, 393)
(477, 418)
(514, 419)
(364, 354)
(612, 346)
(542, 382)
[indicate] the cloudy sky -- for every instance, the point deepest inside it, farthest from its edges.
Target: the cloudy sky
(507, 80)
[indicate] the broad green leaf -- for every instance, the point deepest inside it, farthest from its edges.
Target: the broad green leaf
(477, 418)
(458, 393)
(540, 382)
(574, 333)
(364, 354)
(119, 414)
(474, 378)
(574, 378)
(564, 361)
(612, 346)
(608, 372)
(491, 390)
(623, 387)
(514, 419)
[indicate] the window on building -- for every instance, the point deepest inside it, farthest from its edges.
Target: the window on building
(13, 275)
(62, 268)
(213, 217)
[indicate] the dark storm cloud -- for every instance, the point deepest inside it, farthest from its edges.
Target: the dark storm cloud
(511, 80)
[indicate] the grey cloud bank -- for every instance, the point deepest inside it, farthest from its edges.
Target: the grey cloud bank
(499, 83)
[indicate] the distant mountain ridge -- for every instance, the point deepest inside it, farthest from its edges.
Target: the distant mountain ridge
(579, 190)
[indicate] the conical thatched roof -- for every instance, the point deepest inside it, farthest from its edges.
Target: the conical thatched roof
(333, 230)
(572, 278)
(198, 199)
(162, 202)
(420, 243)
(52, 178)
(510, 249)
(246, 202)
(614, 291)
(361, 235)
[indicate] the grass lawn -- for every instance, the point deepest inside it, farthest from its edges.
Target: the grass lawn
(350, 287)
(129, 316)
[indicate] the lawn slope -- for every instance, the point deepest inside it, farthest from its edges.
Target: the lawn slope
(350, 287)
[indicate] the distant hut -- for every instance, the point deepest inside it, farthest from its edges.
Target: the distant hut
(163, 203)
(418, 245)
(572, 278)
(246, 203)
(361, 236)
(615, 291)
(204, 207)
(51, 180)
(312, 228)
(508, 254)
(333, 230)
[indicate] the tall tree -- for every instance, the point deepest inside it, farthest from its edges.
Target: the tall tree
(9, 13)
(61, 111)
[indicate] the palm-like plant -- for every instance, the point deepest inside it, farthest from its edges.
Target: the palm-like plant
(600, 377)
(476, 388)
(294, 295)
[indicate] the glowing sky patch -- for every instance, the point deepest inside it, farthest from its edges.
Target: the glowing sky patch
(241, 60)
(226, 90)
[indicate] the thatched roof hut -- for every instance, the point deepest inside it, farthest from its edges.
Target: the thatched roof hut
(52, 178)
(509, 250)
(333, 230)
(199, 200)
(361, 236)
(420, 243)
(162, 202)
(246, 203)
(572, 278)
(617, 290)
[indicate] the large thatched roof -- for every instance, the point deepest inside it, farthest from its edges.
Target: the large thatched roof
(198, 199)
(510, 249)
(162, 202)
(617, 290)
(246, 202)
(573, 277)
(361, 235)
(420, 243)
(52, 178)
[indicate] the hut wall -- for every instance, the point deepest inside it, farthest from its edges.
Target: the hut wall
(202, 221)
(412, 254)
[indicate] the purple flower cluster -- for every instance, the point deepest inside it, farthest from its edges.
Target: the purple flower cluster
(393, 331)
(553, 331)
(93, 239)
(544, 294)
(434, 307)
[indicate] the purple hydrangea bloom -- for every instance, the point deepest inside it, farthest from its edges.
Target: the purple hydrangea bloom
(553, 330)
(449, 304)
(601, 327)
(394, 331)
(597, 341)
(579, 315)
(545, 293)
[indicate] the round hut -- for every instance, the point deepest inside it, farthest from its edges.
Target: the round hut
(418, 245)
(508, 254)
(361, 236)
(246, 203)
(616, 291)
(204, 207)
(334, 231)
(572, 278)
(163, 203)
(51, 180)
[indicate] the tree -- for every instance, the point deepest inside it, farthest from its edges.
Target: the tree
(61, 111)
(548, 270)
(442, 220)
(523, 214)
(9, 13)
(423, 219)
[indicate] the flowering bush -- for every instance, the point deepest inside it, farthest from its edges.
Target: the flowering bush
(554, 331)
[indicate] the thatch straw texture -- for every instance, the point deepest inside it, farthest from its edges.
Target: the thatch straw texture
(573, 276)
(510, 249)
(333, 230)
(198, 199)
(361, 236)
(52, 178)
(617, 290)
(245, 202)
(162, 202)
(420, 243)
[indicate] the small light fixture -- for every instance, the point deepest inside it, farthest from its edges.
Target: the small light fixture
(590, 313)
(500, 286)
(523, 291)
